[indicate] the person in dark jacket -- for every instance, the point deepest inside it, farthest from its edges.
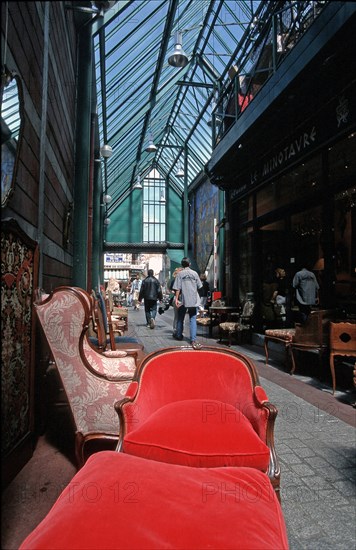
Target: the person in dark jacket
(150, 292)
(204, 291)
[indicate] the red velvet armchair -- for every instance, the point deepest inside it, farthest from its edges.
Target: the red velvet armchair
(199, 408)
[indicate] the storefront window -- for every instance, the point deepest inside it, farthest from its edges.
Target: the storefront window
(345, 245)
(306, 230)
(342, 159)
(299, 183)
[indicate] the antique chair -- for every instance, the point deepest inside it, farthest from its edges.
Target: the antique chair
(213, 318)
(282, 336)
(118, 315)
(92, 381)
(109, 332)
(311, 336)
(201, 408)
(342, 343)
(243, 324)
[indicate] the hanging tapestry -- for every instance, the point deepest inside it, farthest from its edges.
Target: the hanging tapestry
(18, 279)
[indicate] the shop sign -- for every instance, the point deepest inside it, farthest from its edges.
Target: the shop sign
(299, 145)
(336, 118)
(296, 147)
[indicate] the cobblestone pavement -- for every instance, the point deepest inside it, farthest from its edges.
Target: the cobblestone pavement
(315, 441)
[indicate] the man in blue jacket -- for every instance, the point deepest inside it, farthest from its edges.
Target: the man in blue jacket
(150, 292)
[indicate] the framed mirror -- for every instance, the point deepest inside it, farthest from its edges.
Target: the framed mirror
(11, 130)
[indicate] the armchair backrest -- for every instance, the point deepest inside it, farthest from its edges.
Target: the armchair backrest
(177, 374)
(315, 330)
(343, 338)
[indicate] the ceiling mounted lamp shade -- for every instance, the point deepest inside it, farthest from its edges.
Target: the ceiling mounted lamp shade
(151, 148)
(178, 58)
(107, 199)
(137, 184)
(180, 172)
(106, 151)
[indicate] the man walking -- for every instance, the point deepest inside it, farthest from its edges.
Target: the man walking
(150, 292)
(135, 291)
(186, 286)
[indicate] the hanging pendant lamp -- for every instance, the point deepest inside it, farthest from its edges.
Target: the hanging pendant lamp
(178, 58)
(137, 184)
(179, 172)
(151, 148)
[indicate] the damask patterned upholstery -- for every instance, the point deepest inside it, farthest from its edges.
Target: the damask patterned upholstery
(232, 328)
(92, 381)
(284, 336)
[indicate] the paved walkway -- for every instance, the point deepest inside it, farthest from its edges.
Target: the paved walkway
(315, 440)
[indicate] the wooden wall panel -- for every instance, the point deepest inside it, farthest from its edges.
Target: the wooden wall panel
(44, 185)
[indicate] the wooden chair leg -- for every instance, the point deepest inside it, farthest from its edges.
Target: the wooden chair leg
(332, 370)
(266, 349)
(230, 339)
(293, 360)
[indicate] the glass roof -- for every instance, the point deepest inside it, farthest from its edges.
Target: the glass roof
(140, 96)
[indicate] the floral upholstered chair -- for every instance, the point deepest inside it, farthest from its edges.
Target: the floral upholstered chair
(92, 381)
(201, 408)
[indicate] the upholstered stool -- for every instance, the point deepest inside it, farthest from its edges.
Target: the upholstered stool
(232, 328)
(283, 336)
(203, 319)
(118, 501)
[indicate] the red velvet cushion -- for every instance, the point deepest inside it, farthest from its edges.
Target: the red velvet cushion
(201, 433)
(118, 501)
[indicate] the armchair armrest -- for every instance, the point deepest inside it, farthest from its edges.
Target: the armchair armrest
(113, 368)
(261, 395)
(132, 390)
(129, 416)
